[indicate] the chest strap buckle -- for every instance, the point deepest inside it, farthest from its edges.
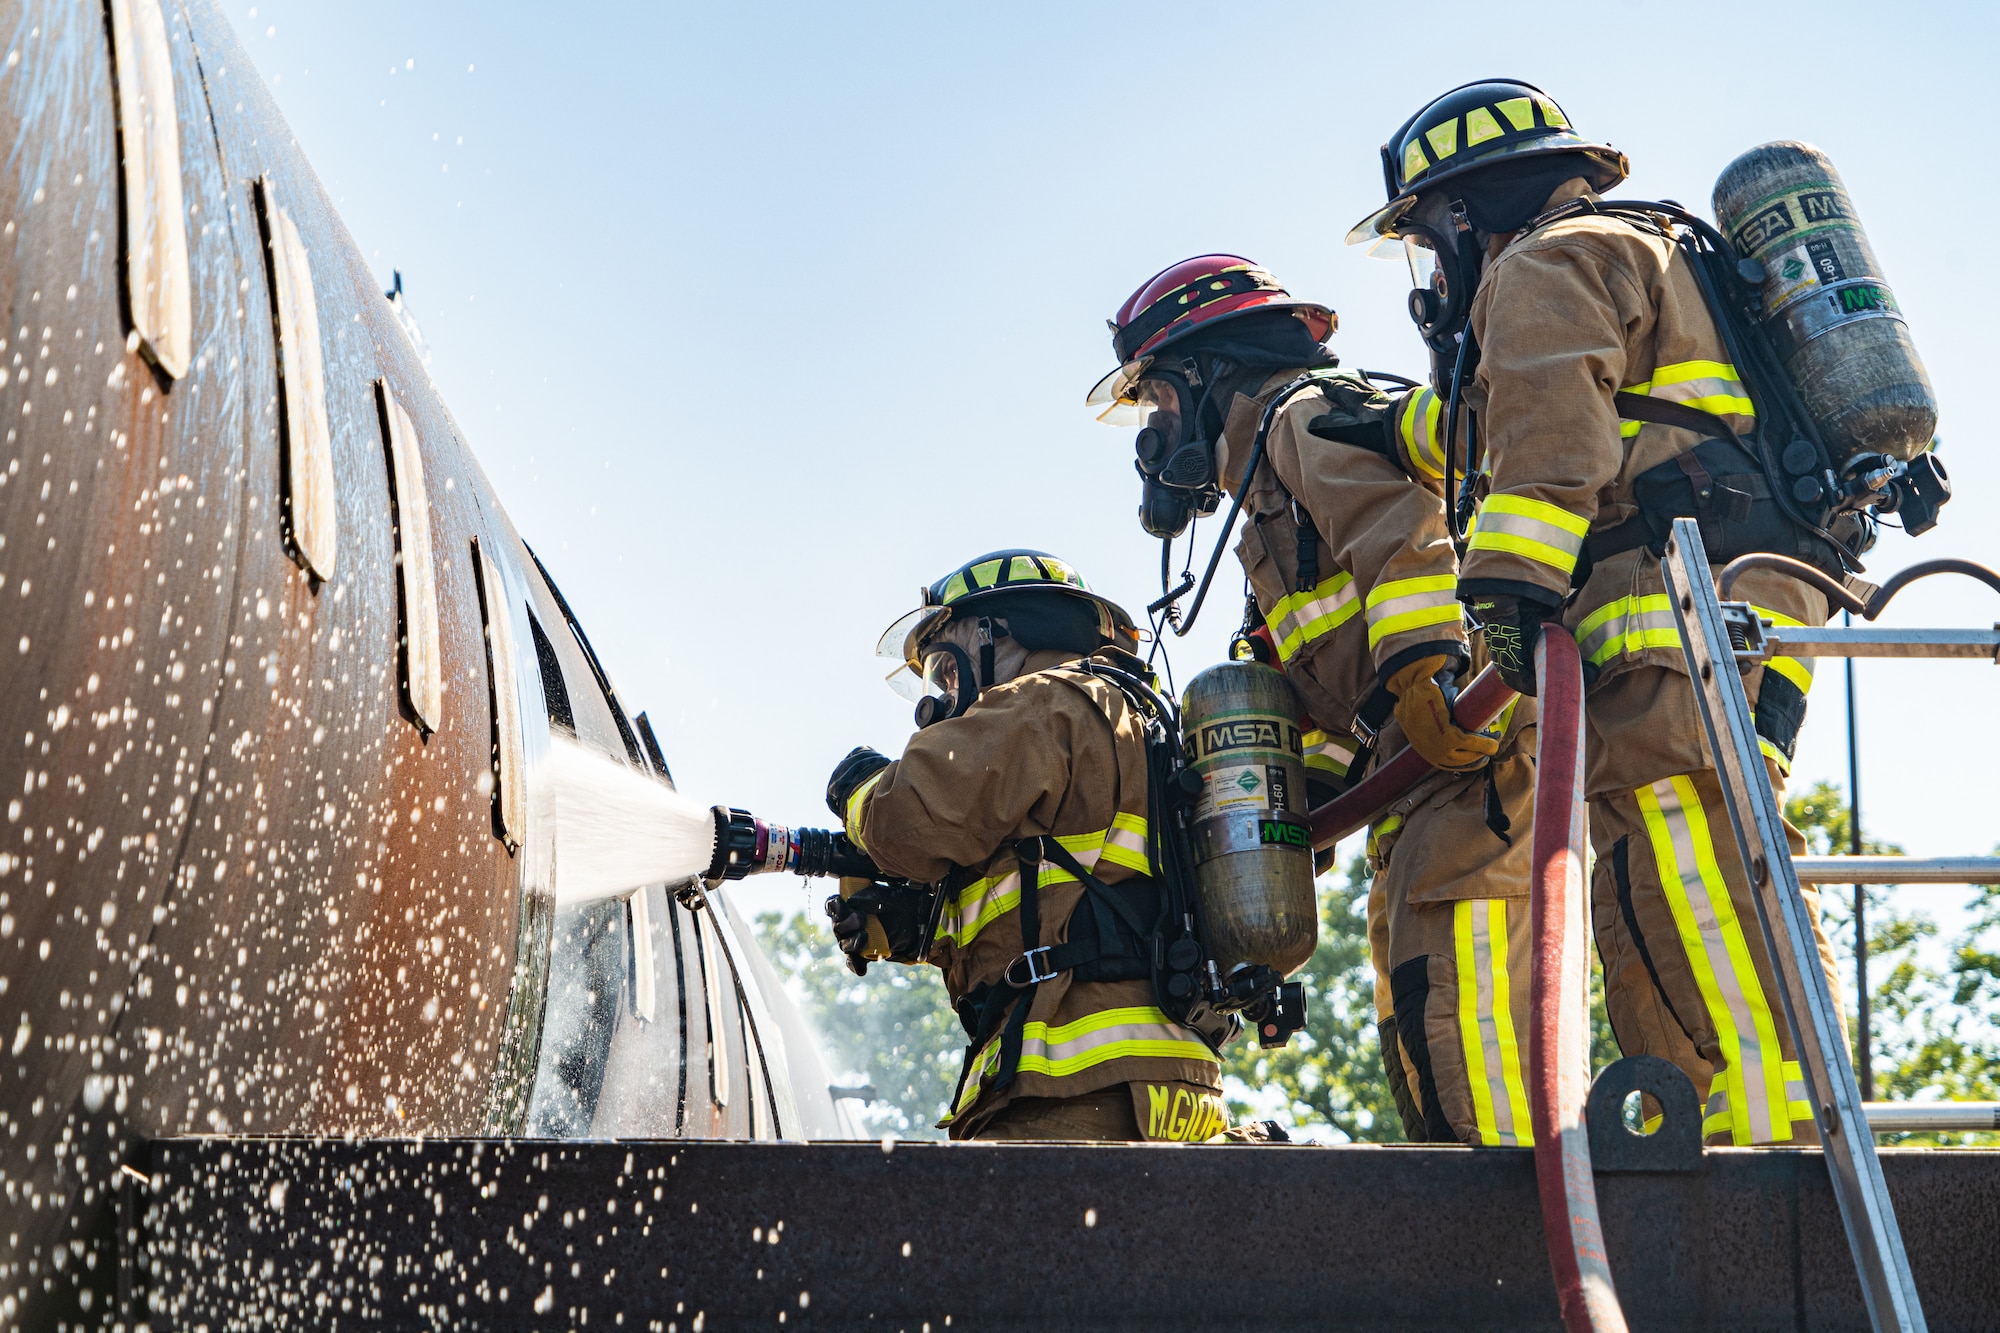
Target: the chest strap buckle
(1037, 961)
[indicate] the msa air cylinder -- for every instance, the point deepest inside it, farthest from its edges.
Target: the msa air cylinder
(1252, 850)
(1826, 306)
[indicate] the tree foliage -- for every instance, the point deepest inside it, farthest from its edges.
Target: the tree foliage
(893, 1028)
(1934, 1030)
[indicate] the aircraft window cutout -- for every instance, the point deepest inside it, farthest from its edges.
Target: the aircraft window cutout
(510, 801)
(306, 461)
(416, 578)
(159, 285)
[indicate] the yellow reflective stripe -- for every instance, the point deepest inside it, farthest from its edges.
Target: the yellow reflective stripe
(1626, 626)
(1533, 529)
(1418, 426)
(1382, 828)
(983, 1064)
(1486, 1023)
(1142, 1031)
(1708, 386)
(1329, 752)
(1712, 936)
(1301, 617)
(1774, 754)
(985, 901)
(1798, 1102)
(1125, 843)
(1798, 670)
(854, 801)
(1406, 604)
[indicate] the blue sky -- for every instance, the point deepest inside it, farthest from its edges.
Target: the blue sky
(761, 316)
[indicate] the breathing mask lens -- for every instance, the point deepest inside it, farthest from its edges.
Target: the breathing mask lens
(948, 684)
(1178, 472)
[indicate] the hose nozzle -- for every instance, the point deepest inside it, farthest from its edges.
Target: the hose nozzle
(746, 845)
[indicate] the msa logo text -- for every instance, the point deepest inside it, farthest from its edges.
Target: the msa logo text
(1249, 734)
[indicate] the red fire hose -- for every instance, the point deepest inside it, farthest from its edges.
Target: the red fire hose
(1478, 704)
(1559, 1022)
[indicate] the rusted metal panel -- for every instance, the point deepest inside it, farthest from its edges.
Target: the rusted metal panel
(524, 1234)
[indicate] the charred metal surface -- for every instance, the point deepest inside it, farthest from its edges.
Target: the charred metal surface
(240, 892)
(684, 1236)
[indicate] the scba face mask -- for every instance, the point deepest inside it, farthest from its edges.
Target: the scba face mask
(1443, 274)
(949, 682)
(1176, 467)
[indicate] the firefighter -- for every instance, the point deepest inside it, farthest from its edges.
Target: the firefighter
(1558, 316)
(1354, 594)
(1016, 742)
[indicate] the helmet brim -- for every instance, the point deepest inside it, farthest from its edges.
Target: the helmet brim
(1381, 224)
(1113, 393)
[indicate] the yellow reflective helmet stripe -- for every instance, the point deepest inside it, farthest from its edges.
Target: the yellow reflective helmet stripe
(985, 901)
(1406, 604)
(1443, 138)
(1519, 111)
(1418, 427)
(855, 800)
(1532, 529)
(1300, 618)
(1719, 955)
(1486, 1023)
(1480, 126)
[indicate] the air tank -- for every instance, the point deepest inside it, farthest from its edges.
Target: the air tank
(1253, 852)
(1836, 324)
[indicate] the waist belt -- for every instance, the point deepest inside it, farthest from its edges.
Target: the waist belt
(1719, 483)
(1110, 940)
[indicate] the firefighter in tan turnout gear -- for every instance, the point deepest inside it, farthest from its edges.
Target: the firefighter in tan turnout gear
(1354, 582)
(1016, 741)
(1587, 342)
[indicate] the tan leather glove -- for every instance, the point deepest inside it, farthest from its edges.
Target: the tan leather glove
(1426, 720)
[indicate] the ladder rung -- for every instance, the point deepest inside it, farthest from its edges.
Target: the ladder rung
(1897, 869)
(1932, 1117)
(1838, 641)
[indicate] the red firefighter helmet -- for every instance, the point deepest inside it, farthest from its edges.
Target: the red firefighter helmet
(1182, 298)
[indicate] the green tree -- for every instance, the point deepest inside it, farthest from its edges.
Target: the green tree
(1932, 1031)
(1330, 1074)
(893, 1028)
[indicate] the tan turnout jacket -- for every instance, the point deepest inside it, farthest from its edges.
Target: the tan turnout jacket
(1388, 582)
(1053, 751)
(1567, 316)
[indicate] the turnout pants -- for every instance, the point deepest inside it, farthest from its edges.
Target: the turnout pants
(1448, 930)
(1687, 974)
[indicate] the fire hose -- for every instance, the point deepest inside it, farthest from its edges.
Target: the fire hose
(1559, 1021)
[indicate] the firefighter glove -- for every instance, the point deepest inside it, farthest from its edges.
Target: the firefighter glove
(1358, 415)
(861, 764)
(878, 919)
(1513, 628)
(1425, 715)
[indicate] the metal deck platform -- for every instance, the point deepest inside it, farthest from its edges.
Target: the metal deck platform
(677, 1236)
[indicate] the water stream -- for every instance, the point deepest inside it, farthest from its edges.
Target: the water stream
(618, 829)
